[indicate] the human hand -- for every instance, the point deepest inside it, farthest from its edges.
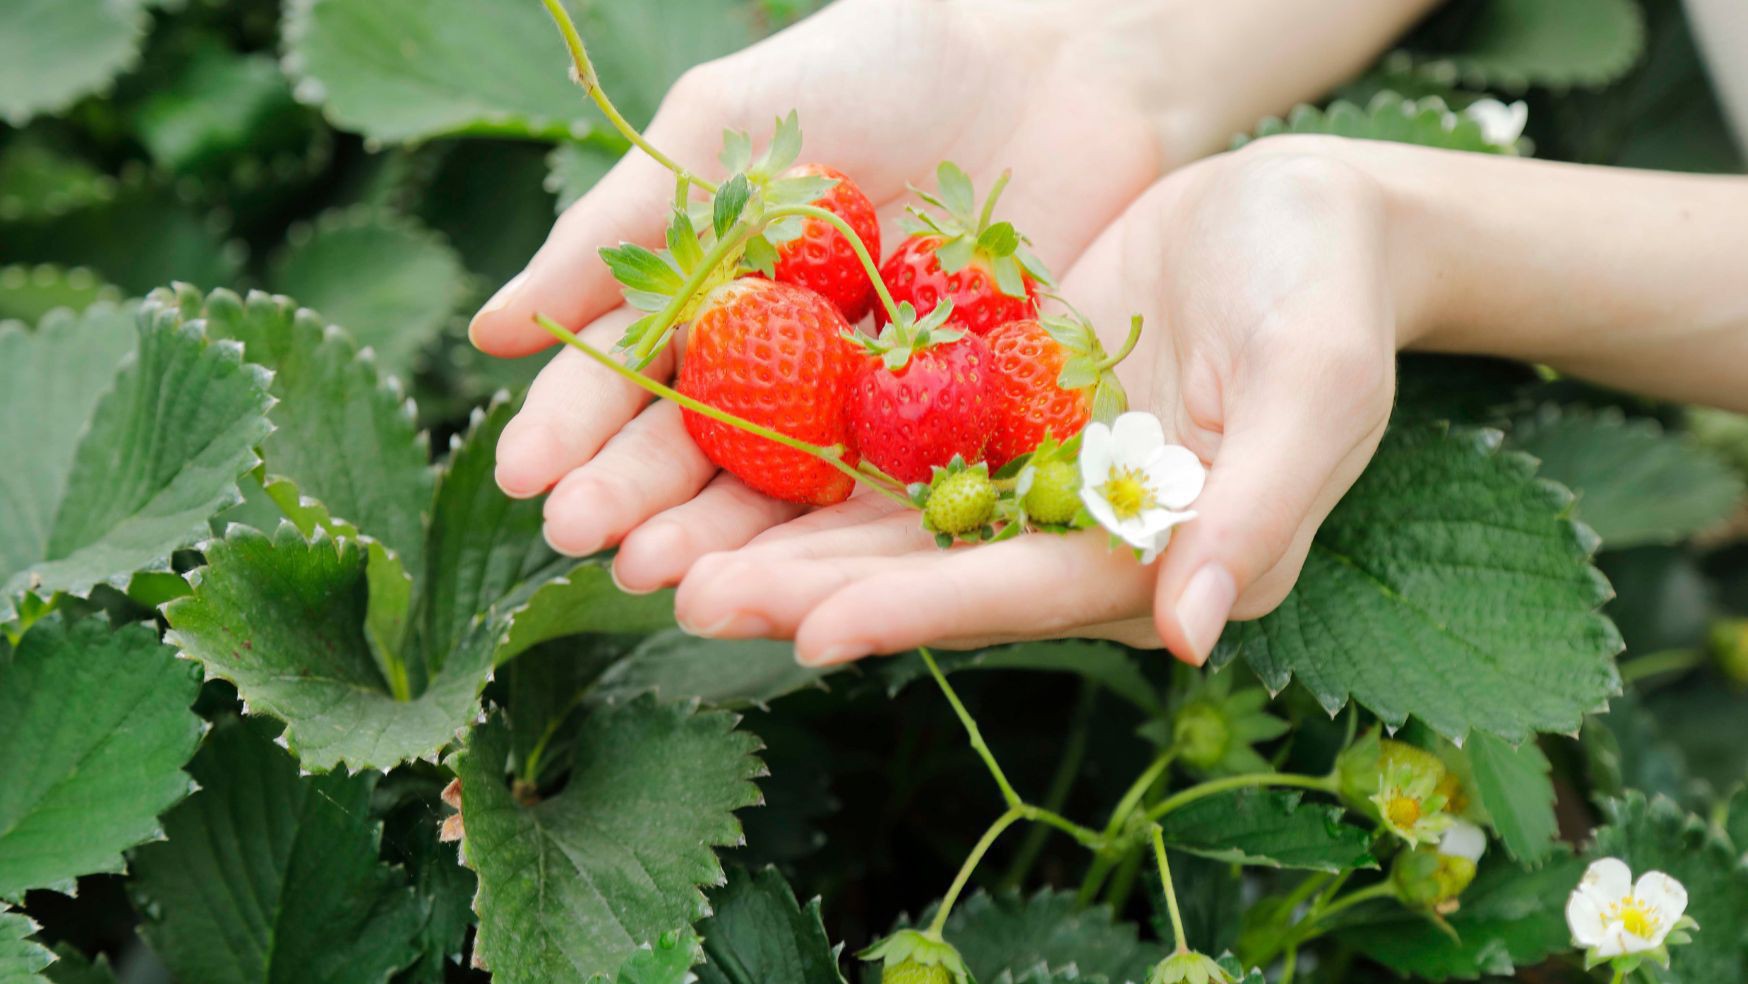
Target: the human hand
(987, 83)
(1267, 279)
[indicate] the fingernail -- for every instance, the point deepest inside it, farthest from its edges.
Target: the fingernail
(833, 655)
(736, 625)
(498, 302)
(613, 572)
(1202, 609)
(526, 451)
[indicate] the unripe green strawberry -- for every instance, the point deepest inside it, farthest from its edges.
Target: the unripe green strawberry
(911, 972)
(1054, 495)
(961, 503)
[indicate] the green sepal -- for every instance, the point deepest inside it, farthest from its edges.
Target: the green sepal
(968, 234)
(906, 336)
(761, 256)
(913, 946)
(731, 203)
(1190, 967)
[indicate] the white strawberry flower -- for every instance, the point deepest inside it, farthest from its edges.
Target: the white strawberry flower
(1135, 484)
(1501, 125)
(1463, 840)
(1612, 916)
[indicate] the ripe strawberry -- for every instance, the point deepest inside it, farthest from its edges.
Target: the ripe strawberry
(774, 354)
(820, 258)
(983, 268)
(1051, 377)
(925, 400)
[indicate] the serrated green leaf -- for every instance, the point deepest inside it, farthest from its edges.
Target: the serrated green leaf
(342, 436)
(28, 293)
(269, 876)
(20, 956)
(132, 463)
(53, 53)
(95, 727)
(73, 967)
(1635, 483)
(1010, 933)
(759, 933)
(219, 105)
(39, 181)
(1449, 584)
(443, 885)
(1559, 44)
(643, 270)
(584, 599)
(1515, 790)
(389, 281)
(620, 852)
(1425, 122)
(1658, 835)
(1108, 665)
(678, 666)
(1509, 918)
(669, 960)
(1271, 828)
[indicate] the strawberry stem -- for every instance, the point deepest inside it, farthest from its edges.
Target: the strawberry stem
(1001, 823)
(1008, 795)
(833, 455)
(988, 213)
(1177, 920)
(661, 330)
(584, 73)
(861, 248)
(1128, 346)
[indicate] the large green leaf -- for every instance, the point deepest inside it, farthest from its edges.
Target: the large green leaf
(388, 280)
(95, 727)
(759, 933)
(1635, 483)
(572, 885)
(1514, 44)
(269, 876)
(54, 51)
(1658, 835)
(1515, 790)
(39, 181)
(218, 107)
(132, 463)
(28, 293)
(678, 666)
(1427, 122)
(1013, 934)
(1270, 828)
(20, 956)
(1449, 584)
(73, 967)
(342, 435)
(1509, 918)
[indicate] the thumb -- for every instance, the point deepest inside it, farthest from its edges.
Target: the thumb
(1280, 468)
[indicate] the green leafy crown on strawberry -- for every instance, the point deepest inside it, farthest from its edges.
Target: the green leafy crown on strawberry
(1088, 367)
(968, 232)
(765, 174)
(907, 335)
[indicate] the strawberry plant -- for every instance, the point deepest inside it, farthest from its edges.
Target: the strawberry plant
(291, 691)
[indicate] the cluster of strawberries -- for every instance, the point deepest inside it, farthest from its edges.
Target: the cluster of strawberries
(955, 375)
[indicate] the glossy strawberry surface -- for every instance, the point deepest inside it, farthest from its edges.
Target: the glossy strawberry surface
(1028, 401)
(821, 259)
(939, 405)
(913, 273)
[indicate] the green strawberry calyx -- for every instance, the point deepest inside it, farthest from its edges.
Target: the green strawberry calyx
(967, 232)
(768, 176)
(906, 335)
(910, 946)
(1088, 367)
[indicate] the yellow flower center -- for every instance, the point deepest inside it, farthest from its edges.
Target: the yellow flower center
(1403, 812)
(1128, 492)
(1635, 917)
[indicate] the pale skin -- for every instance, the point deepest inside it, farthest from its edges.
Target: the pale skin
(1278, 283)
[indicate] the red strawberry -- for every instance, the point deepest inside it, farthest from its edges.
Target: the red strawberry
(776, 355)
(925, 399)
(982, 267)
(820, 258)
(1051, 376)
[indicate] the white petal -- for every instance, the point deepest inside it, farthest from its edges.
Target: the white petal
(1638, 944)
(1095, 456)
(1463, 840)
(1607, 881)
(1584, 919)
(1176, 476)
(1666, 897)
(1501, 125)
(1160, 542)
(1613, 944)
(1100, 509)
(1137, 436)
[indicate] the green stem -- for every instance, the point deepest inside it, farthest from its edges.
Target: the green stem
(400, 687)
(1095, 878)
(1620, 974)
(1324, 783)
(591, 83)
(531, 765)
(861, 248)
(1123, 882)
(1128, 346)
(1137, 789)
(1381, 890)
(1303, 891)
(1011, 798)
(1289, 965)
(656, 336)
(832, 455)
(1177, 920)
(1001, 184)
(1001, 823)
(1659, 663)
(1084, 836)
(1060, 785)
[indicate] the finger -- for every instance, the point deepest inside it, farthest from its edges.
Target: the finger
(1037, 586)
(1137, 633)
(1283, 462)
(566, 280)
(863, 524)
(572, 409)
(724, 516)
(649, 466)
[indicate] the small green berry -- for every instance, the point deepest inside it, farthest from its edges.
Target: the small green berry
(962, 503)
(911, 972)
(1054, 497)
